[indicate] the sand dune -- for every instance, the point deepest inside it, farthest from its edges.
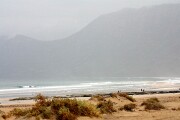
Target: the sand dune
(170, 101)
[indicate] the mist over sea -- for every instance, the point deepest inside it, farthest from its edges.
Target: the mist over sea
(123, 42)
(70, 86)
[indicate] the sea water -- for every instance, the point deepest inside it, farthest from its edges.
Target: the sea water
(70, 86)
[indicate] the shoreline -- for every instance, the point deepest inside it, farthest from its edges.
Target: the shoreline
(104, 86)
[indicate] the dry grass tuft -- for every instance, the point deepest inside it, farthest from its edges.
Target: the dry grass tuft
(19, 112)
(152, 104)
(152, 100)
(59, 109)
(128, 107)
(98, 97)
(2, 112)
(106, 107)
(176, 109)
(6, 116)
(114, 95)
(65, 114)
(127, 96)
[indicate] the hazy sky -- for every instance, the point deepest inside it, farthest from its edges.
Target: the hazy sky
(55, 19)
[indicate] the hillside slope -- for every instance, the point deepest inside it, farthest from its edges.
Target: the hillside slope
(130, 42)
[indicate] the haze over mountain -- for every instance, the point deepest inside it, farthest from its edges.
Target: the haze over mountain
(130, 42)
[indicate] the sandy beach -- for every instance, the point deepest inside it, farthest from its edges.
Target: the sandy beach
(171, 101)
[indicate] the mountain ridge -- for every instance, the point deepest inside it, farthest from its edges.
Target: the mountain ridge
(130, 43)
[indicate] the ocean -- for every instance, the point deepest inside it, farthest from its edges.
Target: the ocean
(76, 86)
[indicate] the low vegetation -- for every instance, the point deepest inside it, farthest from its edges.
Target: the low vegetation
(5, 116)
(60, 109)
(71, 109)
(152, 104)
(98, 97)
(22, 98)
(19, 112)
(128, 107)
(2, 112)
(127, 96)
(106, 107)
(177, 109)
(114, 95)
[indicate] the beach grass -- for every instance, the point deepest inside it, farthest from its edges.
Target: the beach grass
(58, 108)
(106, 107)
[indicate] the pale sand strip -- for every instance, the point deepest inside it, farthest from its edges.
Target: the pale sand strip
(6, 102)
(156, 95)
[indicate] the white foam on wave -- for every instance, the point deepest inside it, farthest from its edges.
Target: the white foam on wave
(91, 87)
(72, 87)
(97, 83)
(170, 81)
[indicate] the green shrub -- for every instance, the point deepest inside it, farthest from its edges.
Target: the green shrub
(106, 107)
(152, 104)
